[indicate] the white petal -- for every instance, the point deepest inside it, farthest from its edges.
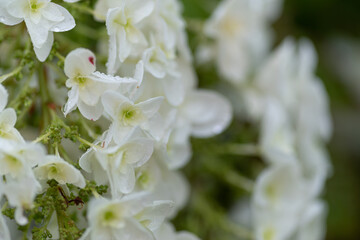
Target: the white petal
(79, 61)
(43, 52)
(124, 47)
(3, 97)
(111, 101)
(72, 100)
(111, 64)
(6, 18)
(174, 90)
(52, 12)
(8, 117)
(65, 25)
(92, 113)
(124, 181)
(38, 32)
(208, 112)
(153, 216)
(4, 231)
(141, 9)
(134, 230)
(151, 106)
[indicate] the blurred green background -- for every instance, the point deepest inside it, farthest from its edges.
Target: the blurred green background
(334, 27)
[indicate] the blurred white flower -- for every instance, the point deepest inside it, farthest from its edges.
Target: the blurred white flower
(54, 167)
(205, 121)
(312, 222)
(280, 188)
(279, 196)
(42, 18)
(18, 158)
(277, 136)
(275, 79)
(87, 86)
(315, 165)
(167, 232)
(126, 219)
(21, 194)
(122, 24)
(312, 109)
(239, 29)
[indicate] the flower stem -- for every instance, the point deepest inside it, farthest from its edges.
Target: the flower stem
(243, 149)
(88, 10)
(10, 74)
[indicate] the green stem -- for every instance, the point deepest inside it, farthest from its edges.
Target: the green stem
(88, 10)
(243, 149)
(65, 155)
(23, 88)
(44, 96)
(84, 141)
(60, 57)
(239, 181)
(42, 137)
(88, 129)
(10, 74)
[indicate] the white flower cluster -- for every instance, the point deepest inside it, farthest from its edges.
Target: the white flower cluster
(25, 166)
(151, 116)
(282, 95)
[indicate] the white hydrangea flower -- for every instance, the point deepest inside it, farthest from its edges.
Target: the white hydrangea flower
(175, 149)
(277, 139)
(126, 219)
(127, 115)
(122, 24)
(116, 164)
(87, 85)
(278, 199)
(17, 159)
(160, 62)
(274, 226)
(312, 108)
(170, 185)
(42, 18)
(7, 125)
(275, 80)
(241, 37)
(168, 232)
(280, 188)
(168, 21)
(102, 7)
(54, 167)
(315, 165)
(312, 222)
(21, 194)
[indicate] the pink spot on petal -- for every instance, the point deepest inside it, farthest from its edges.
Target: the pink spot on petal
(91, 59)
(92, 119)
